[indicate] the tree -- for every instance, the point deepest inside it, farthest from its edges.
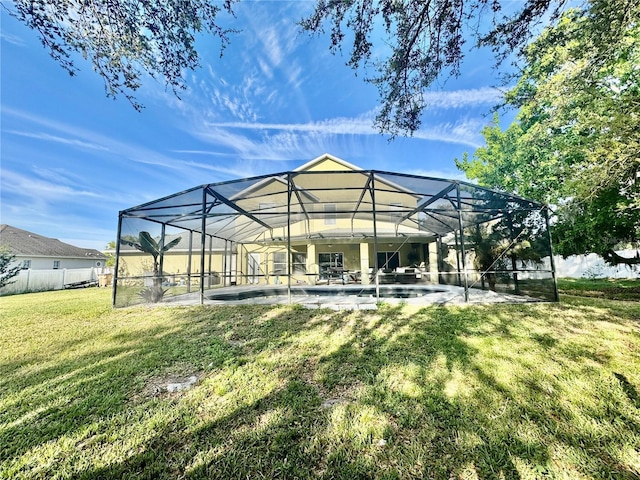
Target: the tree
(576, 137)
(426, 40)
(111, 258)
(123, 39)
(599, 225)
(7, 272)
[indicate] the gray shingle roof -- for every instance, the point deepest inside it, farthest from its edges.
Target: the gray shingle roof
(26, 243)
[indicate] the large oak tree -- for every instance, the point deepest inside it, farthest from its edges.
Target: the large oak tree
(576, 139)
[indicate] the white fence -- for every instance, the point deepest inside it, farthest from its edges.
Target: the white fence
(43, 280)
(593, 266)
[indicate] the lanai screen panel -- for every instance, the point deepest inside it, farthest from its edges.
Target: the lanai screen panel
(332, 203)
(430, 202)
(507, 242)
(155, 257)
(182, 207)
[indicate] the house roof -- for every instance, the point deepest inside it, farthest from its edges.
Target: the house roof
(324, 157)
(25, 243)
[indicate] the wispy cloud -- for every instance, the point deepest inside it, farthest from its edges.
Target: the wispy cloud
(273, 145)
(277, 44)
(463, 98)
(75, 142)
(264, 142)
(271, 45)
(119, 151)
(12, 39)
(58, 175)
(341, 125)
(84, 242)
(270, 76)
(79, 229)
(436, 173)
(201, 152)
(38, 189)
(211, 96)
(232, 172)
(464, 132)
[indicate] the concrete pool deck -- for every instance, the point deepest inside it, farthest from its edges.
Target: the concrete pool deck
(346, 297)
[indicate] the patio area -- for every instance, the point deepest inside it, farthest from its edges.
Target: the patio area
(348, 297)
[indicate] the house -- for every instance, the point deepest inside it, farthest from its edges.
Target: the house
(37, 252)
(327, 247)
(331, 233)
(331, 222)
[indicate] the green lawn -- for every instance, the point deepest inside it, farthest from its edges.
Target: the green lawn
(610, 288)
(477, 392)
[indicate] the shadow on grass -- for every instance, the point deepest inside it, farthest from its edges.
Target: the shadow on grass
(629, 390)
(418, 395)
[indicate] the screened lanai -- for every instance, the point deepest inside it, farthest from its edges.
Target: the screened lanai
(332, 230)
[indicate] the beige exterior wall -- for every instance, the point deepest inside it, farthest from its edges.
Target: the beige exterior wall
(326, 164)
(272, 197)
(137, 263)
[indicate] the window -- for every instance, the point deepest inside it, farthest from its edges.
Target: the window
(299, 262)
(396, 210)
(26, 264)
(280, 263)
(331, 264)
(388, 260)
(56, 264)
(330, 214)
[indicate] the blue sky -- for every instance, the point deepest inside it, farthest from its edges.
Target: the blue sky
(71, 158)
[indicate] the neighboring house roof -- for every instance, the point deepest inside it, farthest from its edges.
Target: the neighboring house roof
(24, 243)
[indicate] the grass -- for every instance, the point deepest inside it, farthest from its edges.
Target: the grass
(481, 392)
(609, 288)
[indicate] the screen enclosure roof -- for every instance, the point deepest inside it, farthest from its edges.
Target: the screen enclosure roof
(330, 204)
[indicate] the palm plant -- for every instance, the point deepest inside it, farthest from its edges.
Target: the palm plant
(487, 254)
(492, 249)
(147, 244)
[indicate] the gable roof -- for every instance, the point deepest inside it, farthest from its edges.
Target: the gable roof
(25, 243)
(327, 157)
